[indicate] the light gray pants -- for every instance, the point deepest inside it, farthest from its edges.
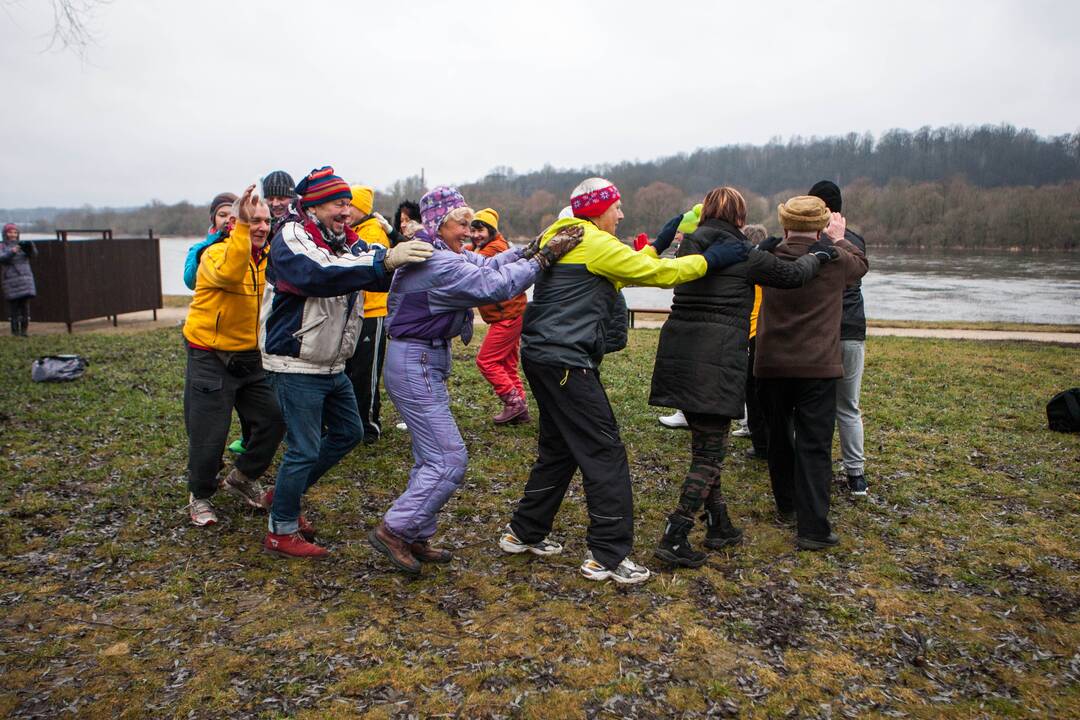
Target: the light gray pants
(848, 417)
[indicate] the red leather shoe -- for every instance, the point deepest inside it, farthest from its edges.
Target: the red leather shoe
(293, 546)
(306, 528)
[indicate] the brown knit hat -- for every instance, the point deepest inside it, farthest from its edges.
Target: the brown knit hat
(803, 213)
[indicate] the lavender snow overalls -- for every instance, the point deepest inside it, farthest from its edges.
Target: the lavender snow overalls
(430, 304)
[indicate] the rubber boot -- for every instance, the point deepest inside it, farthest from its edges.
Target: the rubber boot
(719, 532)
(675, 547)
(515, 409)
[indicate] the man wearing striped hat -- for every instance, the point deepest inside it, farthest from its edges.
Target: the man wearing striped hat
(311, 317)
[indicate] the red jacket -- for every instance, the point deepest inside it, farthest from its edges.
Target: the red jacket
(508, 309)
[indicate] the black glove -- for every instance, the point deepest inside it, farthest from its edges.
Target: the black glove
(824, 250)
(719, 255)
(666, 235)
(769, 244)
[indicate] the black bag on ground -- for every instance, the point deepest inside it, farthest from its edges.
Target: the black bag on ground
(58, 368)
(1063, 411)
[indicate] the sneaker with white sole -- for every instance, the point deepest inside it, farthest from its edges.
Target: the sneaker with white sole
(628, 572)
(674, 420)
(248, 489)
(741, 429)
(511, 543)
(201, 512)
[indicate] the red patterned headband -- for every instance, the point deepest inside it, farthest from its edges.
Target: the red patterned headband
(594, 203)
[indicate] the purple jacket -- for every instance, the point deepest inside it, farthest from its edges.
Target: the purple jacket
(434, 299)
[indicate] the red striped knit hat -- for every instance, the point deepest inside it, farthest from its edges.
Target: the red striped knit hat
(593, 197)
(321, 186)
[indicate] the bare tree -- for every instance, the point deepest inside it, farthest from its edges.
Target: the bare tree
(72, 25)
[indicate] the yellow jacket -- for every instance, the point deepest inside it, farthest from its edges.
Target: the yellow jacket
(370, 231)
(224, 314)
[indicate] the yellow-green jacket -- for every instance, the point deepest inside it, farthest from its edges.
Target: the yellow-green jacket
(573, 303)
(224, 314)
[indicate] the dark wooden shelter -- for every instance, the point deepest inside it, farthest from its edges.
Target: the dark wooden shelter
(79, 278)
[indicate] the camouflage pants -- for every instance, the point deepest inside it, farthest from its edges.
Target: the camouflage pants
(708, 445)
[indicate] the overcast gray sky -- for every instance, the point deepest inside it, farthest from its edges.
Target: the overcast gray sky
(181, 100)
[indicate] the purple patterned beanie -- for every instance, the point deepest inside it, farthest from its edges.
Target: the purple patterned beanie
(436, 205)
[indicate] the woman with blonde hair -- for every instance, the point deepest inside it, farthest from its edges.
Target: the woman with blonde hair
(701, 363)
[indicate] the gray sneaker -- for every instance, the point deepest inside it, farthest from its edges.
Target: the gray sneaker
(248, 489)
(509, 542)
(628, 572)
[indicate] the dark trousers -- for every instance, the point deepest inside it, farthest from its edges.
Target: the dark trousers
(801, 413)
(211, 393)
(577, 430)
(755, 414)
(708, 443)
(19, 314)
(365, 369)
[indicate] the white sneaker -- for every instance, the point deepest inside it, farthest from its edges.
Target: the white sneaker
(511, 543)
(674, 420)
(628, 572)
(741, 429)
(201, 512)
(402, 426)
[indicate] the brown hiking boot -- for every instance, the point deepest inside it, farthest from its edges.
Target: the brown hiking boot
(423, 552)
(394, 548)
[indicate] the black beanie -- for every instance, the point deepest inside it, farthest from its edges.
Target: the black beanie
(278, 184)
(829, 192)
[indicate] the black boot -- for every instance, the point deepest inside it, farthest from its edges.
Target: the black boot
(675, 548)
(719, 532)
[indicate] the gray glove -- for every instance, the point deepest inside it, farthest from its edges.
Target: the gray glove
(409, 251)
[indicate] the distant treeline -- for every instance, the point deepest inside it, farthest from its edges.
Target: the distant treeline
(990, 186)
(183, 218)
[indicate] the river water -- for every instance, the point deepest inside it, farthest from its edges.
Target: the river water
(998, 286)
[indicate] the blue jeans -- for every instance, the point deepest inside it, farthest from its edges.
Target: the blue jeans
(308, 403)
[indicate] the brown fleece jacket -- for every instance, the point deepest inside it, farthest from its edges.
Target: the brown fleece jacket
(799, 329)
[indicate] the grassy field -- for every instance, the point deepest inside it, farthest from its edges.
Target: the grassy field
(955, 592)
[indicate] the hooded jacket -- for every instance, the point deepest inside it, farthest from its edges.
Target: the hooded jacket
(224, 313)
(567, 323)
(311, 306)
